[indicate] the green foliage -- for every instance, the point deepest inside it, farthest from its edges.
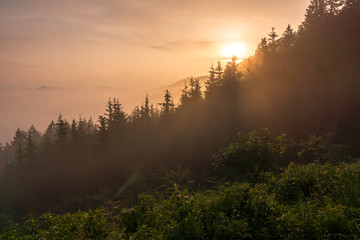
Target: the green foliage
(166, 179)
(323, 149)
(299, 182)
(252, 155)
(6, 221)
(321, 183)
(80, 225)
(305, 202)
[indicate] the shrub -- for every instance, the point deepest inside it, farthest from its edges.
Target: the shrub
(252, 155)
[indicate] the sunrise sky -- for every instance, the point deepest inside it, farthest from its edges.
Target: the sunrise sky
(84, 51)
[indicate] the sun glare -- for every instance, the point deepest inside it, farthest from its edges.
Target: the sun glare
(237, 49)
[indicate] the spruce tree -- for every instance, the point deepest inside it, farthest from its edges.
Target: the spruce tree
(262, 48)
(62, 131)
(230, 71)
(135, 115)
(74, 132)
(82, 129)
(154, 112)
(119, 116)
(109, 111)
(145, 109)
(50, 131)
(288, 36)
(102, 132)
(167, 105)
(184, 99)
(195, 93)
(211, 83)
(218, 72)
(315, 13)
(272, 36)
(19, 145)
(33, 137)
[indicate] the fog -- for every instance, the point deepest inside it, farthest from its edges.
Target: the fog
(22, 107)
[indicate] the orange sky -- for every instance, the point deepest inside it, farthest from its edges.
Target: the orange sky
(126, 45)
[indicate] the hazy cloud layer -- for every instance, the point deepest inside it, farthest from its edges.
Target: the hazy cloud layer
(174, 46)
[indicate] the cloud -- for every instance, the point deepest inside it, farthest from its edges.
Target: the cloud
(6, 64)
(174, 46)
(104, 88)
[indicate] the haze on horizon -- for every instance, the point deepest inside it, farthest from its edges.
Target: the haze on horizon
(85, 51)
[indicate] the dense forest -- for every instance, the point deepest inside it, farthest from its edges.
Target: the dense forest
(268, 150)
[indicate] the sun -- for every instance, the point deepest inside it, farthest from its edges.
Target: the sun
(237, 49)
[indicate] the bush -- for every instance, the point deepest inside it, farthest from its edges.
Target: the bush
(252, 155)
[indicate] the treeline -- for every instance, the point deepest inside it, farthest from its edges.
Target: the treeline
(308, 81)
(305, 82)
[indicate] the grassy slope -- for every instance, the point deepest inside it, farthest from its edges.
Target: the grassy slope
(304, 202)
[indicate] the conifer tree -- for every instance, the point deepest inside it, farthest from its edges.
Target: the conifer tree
(33, 137)
(135, 115)
(102, 133)
(288, 36)
(102, 125)
(114, 117)
(215, 80)
(19, 138)
(230, 71)
(231, 81)
(119, 116)
(20, 156)
(263, 44)
(211, 83)
(48, 139)
(50, 131)
(91, 128)
(262, 48)
(19, 145)
(167, 105)
(315, 13)
(109, 111)
(62, 130)
(145, 109)
(218, 72)
(195, 90)
(153, 112)
(184, 99)
(82, 129)
(272, 36)
(74, 132)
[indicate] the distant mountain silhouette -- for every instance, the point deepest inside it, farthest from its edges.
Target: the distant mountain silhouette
(104, 88)
(156, 95)
(48, 88)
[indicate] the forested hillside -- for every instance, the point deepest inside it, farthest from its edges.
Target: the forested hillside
(296, 100)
